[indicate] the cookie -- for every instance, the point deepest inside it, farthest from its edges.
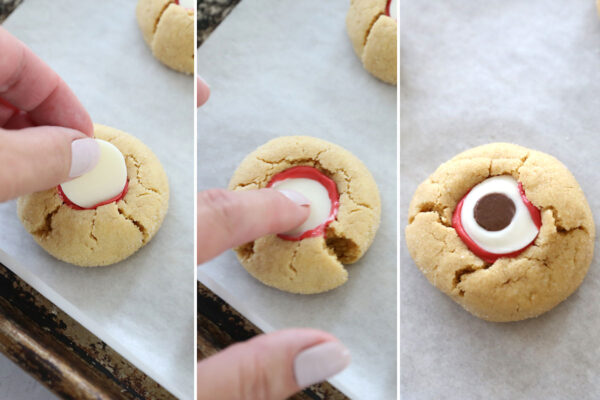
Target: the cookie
(168, 28)
(311, 264)
(373, 28)
(111, 232)
(504, 231)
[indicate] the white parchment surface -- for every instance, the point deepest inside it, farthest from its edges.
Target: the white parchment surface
(526, 72)
(144, 306)
(288, 68)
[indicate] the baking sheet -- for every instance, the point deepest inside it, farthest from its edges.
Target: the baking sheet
(143, 307)
(287, 68)
(526, 72)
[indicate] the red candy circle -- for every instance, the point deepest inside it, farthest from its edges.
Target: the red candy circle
(330, 186)
(177, 2)
(387, 8)
(485, 255)
(74, 206)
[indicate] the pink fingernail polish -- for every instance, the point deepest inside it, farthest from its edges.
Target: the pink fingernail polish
(320, 362)
(85, 154)
(296, 197)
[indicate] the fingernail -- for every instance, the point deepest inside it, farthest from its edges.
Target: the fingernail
(320, 362)
(203, 92)
(203, 82)
(296, 197)
(84, 156)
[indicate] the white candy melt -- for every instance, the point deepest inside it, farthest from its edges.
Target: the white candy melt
(394, 9)
(191, 4)
(519, 233)
(320, 204)
(102, 183)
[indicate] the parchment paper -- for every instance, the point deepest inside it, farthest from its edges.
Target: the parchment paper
(143, 307)
(526, 72)
(287, 68)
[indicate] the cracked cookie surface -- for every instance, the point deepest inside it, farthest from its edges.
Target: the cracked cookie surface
(112, 232)
(374, 37)
(311, 265)
(169, 31)
(510, 289)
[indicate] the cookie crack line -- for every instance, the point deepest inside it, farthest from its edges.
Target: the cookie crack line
(458, 277)
(523, 161)
(349, 192)
(368, 31)
(291, 266)
(430, 208)
(343, 248)
(314, 159)
(312, 162)
(162, 11)
(92, 236)
(246, 251)
(46, 228)
(137, 166)
(559, 227)
(135, 222)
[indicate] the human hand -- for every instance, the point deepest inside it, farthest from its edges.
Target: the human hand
(278, 364)
(272, 366)
(227, 219)
(44, 129)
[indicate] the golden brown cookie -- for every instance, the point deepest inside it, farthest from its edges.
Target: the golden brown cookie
(111, 232)
(311, 265)
(373, 33)
(510, 288)
(168, 28)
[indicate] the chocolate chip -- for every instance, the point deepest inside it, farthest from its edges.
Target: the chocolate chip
(494, 211)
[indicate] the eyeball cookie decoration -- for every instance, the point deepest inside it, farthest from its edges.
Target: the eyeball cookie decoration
(105, 183)
(503, 230)
(372, 26)
(319, 189)
(495, 219)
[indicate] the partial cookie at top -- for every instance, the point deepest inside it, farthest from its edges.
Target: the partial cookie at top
(111, 232)
(311, 265)
(511, 288)
(373, 34)
(168, 29)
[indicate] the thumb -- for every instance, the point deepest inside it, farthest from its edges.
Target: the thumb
(202, 92)
(272, 366)
(39, 158)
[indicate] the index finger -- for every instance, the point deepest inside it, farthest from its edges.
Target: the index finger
(32, 86)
